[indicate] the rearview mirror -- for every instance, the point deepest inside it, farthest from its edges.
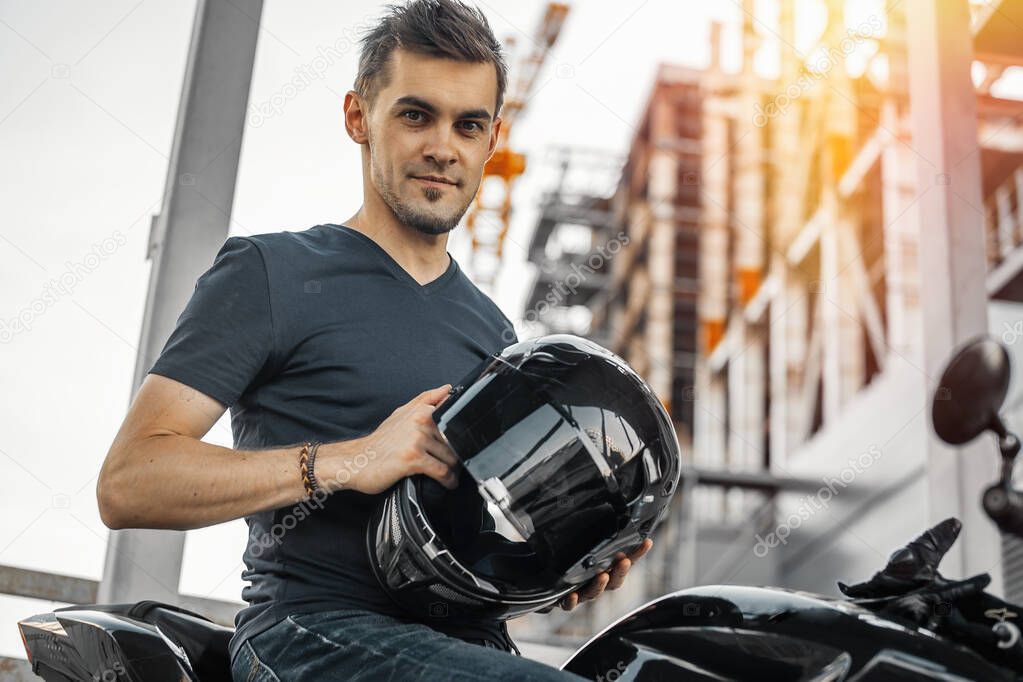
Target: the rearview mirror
(971, 391)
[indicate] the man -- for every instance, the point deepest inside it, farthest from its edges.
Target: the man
(347, 334)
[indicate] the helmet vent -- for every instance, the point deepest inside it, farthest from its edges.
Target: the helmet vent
(447, 593)
(395, 526)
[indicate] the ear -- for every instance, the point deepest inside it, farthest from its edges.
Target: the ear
(356, 118)
(495, 135)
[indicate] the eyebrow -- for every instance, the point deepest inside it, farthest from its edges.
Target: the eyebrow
(411, 100)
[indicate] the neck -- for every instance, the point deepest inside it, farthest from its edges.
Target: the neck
(424, 256)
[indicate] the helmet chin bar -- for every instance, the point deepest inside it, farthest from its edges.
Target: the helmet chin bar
(432, 547)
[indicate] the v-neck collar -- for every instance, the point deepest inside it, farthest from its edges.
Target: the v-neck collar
(400, 272)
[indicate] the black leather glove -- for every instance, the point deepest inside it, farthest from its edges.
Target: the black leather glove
(911, 566)
(911, 590)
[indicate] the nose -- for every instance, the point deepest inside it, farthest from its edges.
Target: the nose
(440, 149)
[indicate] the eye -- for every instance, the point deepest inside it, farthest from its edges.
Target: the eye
(478, 128)
(413, 115)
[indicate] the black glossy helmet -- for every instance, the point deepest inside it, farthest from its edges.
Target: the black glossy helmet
(568, 458)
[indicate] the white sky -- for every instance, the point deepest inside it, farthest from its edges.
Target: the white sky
(87, 116)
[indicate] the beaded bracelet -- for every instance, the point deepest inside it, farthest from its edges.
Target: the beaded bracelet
(306, 464)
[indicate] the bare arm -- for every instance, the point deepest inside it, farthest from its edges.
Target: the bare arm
(158, 472)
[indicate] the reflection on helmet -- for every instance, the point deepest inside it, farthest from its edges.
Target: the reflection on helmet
(571, 459)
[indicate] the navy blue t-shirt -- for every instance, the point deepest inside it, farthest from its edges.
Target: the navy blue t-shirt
(321, 335)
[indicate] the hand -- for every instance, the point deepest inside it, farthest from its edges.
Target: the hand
(606, 580)
(407, 442)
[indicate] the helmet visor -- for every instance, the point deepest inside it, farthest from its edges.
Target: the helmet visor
(549, 495)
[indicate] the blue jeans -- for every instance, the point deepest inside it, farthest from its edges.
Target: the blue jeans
(363, 646)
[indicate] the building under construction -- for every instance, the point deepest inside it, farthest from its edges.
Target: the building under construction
(804, 252)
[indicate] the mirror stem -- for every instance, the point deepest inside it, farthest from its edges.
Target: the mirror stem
(1009, 446)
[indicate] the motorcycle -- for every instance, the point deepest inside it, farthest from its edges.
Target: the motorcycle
(907, 622)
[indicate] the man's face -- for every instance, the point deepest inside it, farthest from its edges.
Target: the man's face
(434, 119)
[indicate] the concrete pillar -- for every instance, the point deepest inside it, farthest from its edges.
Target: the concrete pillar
(788, 329)
(714, 178)
(663, 180)
(901, 236)
(747, 367)
(749, 171)
(843, 334)
(952, 259)
(711, 409)
(746, 372)
(711, 415)
(788, 315)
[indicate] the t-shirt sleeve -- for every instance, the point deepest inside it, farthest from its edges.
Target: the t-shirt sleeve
(224, 336)
(508, 335)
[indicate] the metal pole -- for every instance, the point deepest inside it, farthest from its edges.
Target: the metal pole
(185, 236)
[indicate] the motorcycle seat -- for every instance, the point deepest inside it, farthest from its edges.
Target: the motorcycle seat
(204, 642)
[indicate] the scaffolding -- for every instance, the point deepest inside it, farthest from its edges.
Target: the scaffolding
(852, 229)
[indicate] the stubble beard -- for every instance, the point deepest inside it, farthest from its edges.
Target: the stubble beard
(427, 223)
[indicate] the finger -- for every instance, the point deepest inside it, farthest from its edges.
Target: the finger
(438, 471)
(640, 549)
(963, 588)
(570, 602)
(643, 548)
(433, 396)
(439, 449)
(595, 587)
(618, 572)
(434, 432)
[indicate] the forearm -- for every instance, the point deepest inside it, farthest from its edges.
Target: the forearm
(180, 483)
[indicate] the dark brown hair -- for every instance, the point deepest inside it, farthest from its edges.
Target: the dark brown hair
(438, 28)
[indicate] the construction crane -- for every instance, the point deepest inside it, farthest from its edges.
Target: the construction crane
(490, 215)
